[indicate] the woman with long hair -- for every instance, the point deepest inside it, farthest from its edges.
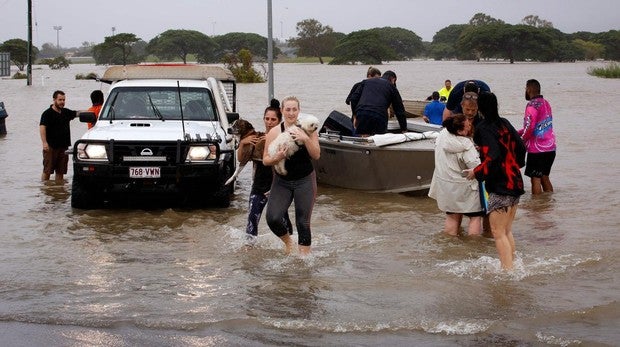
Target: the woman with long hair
(262, 175)
(298, 185)
(502, 155)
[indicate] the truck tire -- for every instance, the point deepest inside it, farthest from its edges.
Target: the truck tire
(224, 192)
(84, 196)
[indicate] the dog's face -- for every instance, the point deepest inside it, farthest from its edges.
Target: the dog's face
(309, 124)
(242, 128)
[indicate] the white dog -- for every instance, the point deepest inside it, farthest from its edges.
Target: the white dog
(308, 124)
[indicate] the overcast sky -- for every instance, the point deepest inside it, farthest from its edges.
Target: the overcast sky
(92, 20)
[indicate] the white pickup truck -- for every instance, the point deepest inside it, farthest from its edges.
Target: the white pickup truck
(163, 129)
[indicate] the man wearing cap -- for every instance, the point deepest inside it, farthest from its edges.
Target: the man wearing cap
(372, 99)
(453, 106)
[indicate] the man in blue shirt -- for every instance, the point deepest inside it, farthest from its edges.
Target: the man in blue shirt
(433, 111)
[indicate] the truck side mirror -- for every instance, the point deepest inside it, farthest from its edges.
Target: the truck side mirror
(87, 117)
(232, 116)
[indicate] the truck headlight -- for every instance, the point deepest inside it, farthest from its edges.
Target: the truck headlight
(91, 151)
(201, 153)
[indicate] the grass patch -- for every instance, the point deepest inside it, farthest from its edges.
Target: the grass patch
(89, 76)
(20, 76)
(612, 70)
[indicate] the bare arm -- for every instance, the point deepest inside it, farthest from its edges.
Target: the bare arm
(245, 143)
(43, 133)
(310, 141)
(446, 114)
(313, 147)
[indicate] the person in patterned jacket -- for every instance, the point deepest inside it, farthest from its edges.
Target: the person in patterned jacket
(502, 155)
(538, 136)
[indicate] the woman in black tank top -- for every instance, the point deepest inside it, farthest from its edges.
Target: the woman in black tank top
(298, 185)
(263, 175)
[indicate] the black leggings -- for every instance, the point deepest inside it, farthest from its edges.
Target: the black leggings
(256, 205)
(282, 194)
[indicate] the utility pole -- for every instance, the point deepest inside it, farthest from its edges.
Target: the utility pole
(29, 67)
(269, 51)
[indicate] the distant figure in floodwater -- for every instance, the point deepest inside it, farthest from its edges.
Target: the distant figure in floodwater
(444, 92)
(433, 111)
(538, 136)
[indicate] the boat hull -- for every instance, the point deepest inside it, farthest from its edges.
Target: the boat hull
(404, 167)
(414, 108)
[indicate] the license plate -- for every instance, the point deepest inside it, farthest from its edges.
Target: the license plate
(145, 172)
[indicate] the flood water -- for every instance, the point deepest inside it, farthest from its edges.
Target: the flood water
(381, 272)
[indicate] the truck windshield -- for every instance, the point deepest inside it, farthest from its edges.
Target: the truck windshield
(154, 103)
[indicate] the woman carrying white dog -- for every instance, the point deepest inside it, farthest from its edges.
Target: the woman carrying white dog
(263, 175)
(298, 185)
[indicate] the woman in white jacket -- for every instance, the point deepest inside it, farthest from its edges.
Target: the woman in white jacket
(455, 154)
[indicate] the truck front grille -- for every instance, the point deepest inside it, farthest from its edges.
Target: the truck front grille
(144, 158)
(135, 152)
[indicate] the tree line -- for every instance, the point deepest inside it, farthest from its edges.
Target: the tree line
(483, 37)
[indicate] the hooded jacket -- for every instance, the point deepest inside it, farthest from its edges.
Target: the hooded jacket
(503, 155)
(453, 192)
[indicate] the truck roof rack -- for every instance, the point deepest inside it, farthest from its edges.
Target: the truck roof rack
(166, 71)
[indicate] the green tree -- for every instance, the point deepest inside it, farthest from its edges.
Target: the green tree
(364, 46)
(241, 67)
(506, 41)
(480, 19)
(48, 50)
(313, 39)
(18, 49)
(234, 42)
(536, 22)
(57, 63)
(564, 51)
(560, 48)
(119, 49)
(405, 43)
(180, 43)
(611, 41)
(444, 44)
(591, 50)
(86, 50)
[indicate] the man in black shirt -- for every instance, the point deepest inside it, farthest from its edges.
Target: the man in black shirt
(372, 99)
(372, 72)
(56, 137)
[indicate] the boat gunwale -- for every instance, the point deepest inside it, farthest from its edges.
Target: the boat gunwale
(425, 144)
